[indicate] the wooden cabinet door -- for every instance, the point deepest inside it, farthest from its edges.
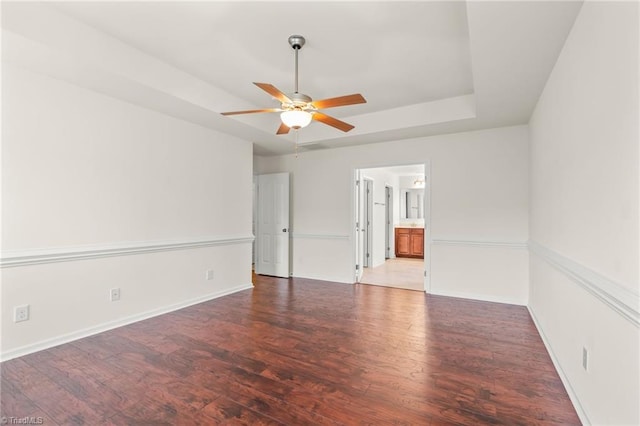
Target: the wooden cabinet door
(403, 243)
(417, 244)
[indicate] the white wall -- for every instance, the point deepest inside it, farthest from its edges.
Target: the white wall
(584, 213)
(85, 175)
(479, 198)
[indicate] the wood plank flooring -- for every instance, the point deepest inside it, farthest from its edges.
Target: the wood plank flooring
(300, 352)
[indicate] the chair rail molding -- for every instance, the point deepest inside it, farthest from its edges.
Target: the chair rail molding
(479, 243)
(623, 300)
(17, 258)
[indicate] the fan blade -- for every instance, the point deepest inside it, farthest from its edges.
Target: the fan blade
(333, 122)
(273, 91)
(283, 129)
(356, 98)
(251, 111)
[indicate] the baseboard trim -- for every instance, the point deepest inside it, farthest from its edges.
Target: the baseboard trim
(563, 377)
(479, 243)
(333, 280)
(621, 299)
(69, 337)
(480, 297)
(29, 257)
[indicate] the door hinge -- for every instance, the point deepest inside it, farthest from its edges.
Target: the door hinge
(368, 256)
(425, 273)
(357, 267)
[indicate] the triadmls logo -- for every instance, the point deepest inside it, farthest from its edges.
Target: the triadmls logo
(22, 420)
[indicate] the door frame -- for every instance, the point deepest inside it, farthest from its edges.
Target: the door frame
(356, 176)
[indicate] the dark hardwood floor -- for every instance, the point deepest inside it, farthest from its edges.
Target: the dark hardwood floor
(300, 352)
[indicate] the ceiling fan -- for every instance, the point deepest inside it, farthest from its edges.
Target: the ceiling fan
(297, 110)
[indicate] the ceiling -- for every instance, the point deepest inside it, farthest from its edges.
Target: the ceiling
(425, 67)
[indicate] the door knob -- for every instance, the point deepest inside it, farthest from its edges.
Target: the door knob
(284, 229)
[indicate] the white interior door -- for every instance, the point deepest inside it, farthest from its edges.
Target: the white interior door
(359, 235)
(368, 222)
(272, 239)
(388, 221)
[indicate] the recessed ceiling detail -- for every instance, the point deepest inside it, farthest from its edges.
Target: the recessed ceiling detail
(425, 67)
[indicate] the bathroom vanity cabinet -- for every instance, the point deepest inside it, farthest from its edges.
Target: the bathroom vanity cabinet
(410, 242)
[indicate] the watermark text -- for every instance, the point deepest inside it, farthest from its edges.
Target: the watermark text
(10, 420)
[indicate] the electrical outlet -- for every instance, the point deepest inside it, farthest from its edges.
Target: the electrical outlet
(585, 358)
(21, 313)
(114, 294)
(209, 274)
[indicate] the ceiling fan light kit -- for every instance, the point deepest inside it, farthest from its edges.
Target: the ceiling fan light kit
(298, 110)
(296, 119)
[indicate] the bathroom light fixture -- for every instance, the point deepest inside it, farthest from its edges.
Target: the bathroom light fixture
(296, 119)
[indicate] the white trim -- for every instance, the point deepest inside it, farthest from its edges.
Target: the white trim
(426, 246)
(480, 243)
(65, 338)
(474, 296)
(584, 419)
(620, 298)
(320, 236)
(16, 258)
(326, 279)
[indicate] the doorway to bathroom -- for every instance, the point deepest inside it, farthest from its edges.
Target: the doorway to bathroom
(391, 222)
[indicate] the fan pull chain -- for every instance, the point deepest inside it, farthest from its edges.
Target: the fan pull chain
(295, 146)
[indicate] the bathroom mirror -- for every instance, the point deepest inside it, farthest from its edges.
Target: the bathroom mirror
(412, 203)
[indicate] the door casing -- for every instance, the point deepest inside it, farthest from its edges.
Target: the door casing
(357, 207)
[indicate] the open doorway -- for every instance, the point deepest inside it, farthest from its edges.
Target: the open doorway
(392, 206)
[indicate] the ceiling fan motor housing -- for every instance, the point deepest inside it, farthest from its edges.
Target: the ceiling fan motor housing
(298, 101)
